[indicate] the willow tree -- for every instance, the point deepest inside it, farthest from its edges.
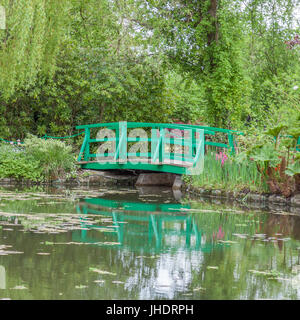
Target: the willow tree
(30, 41)
(87, 65)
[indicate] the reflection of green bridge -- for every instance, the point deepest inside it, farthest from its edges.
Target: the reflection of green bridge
(173, 148)
(142, 226)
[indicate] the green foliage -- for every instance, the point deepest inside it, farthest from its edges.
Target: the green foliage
(54, 156)
(275, 156)
(294, 132)
(206, 41)
(265, 161)
(293, 169)
(29, 47)
(274, 132)
(101, 74)
(36, 160)
(15, 163)
(265, 155)
(237, 53)
(232, 175)
(221, 63)
(188, 96)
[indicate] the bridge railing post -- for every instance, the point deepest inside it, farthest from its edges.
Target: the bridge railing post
(194, 141)
(162, 145)
(198, 163)
(231, 143)
(155, 145)
(188, 145)
(87, 144)
(121, 142)
(154, 141)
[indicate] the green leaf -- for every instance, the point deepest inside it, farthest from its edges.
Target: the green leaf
(275, 131)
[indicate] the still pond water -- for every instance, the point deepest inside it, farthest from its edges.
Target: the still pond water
(143, 244)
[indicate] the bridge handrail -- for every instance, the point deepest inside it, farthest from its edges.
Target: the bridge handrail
(114, 125)
(208, 130)
(120, 155)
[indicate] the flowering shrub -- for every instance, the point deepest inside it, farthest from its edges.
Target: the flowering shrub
(292, 43)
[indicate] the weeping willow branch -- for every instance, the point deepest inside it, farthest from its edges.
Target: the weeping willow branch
(34, 31)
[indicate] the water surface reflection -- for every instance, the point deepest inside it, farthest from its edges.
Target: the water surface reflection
(144, 244)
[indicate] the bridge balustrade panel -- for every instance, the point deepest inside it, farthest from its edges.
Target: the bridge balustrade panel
(147, 146)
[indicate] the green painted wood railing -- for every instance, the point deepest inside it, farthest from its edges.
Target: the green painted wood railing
(190, 137)
(119, 157)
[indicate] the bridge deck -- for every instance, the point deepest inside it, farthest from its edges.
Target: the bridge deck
(145, 161)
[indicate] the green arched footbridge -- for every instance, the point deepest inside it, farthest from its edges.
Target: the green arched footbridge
(160, 147)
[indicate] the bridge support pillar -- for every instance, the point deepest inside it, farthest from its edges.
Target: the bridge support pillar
(160, 179)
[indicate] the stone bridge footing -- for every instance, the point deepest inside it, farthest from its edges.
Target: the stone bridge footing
(160, 179)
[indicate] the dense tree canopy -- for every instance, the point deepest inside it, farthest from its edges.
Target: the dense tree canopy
(226, 63)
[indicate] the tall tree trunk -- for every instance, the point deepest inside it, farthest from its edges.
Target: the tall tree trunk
(213, 35)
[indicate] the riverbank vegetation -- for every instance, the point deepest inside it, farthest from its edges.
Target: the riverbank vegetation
(229, 176)
(225, 63)
(264, 162)
(37, 160)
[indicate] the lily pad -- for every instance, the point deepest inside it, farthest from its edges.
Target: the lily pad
(102, 271)
(19, 288)
(199, 288)
(81, 287)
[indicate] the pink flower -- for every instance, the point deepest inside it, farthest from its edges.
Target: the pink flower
(221, 156)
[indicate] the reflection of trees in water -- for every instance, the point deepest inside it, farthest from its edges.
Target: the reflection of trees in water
(167, 271)
(232, 279)
(159, 276)
(287, 225)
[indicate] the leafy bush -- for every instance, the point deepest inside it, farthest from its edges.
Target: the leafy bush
(15, 163)
(55, 157)
(275, 154)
